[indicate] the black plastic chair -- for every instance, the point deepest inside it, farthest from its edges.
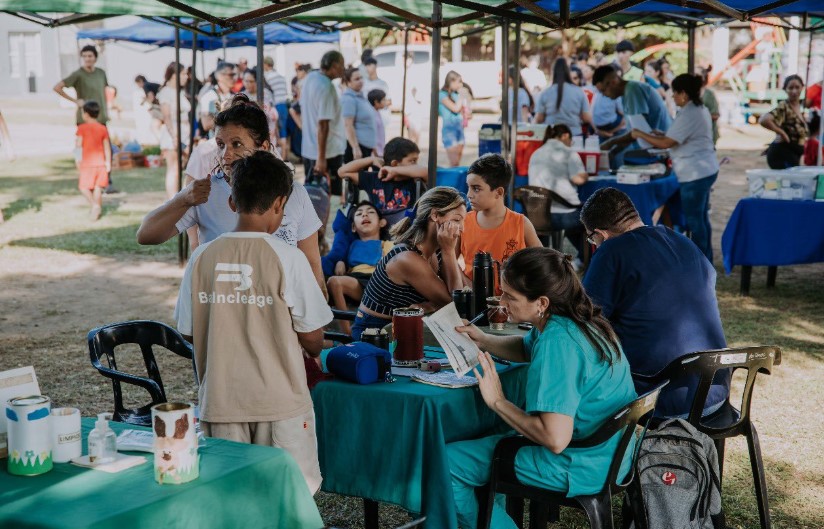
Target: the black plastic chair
(537, 203)
(337, 336)
(102, 343)
(598, 507)
(728, 421)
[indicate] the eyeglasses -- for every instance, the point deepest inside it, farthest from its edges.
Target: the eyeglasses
(591, 237)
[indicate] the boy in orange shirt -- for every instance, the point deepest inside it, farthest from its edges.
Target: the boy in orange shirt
(93, 157)
(492, 227)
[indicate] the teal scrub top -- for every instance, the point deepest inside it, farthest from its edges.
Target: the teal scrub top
(566, 376)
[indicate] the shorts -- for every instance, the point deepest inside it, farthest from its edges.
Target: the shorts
(91, 177)
(283, 113)
(296, 435)
(365, 321)
(452, 135)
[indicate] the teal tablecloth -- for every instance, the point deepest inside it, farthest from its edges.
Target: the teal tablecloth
(387, 442)
(240, 485)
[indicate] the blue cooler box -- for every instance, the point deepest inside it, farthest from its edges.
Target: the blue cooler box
(489, 139)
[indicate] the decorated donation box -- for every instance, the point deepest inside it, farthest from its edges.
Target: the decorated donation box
(29, 435)
(175, 443)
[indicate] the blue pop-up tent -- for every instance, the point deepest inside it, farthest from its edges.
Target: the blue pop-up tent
(159, 34)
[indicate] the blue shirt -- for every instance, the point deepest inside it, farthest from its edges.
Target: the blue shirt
(567, 376)
(354, 105)
(642, 99)
(573, 103)
(658, 290)
(605, 111)
(450, 119)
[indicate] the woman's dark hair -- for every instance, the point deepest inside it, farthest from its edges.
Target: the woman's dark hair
(554, 132)
(560, 76)
(689, 84)
(384, 233)
(705, 75)
(348, 73)
(577, 71)
(451, 76)
(536, 272)
(247, 114)
(170, 72)
(608, 209)
(791, 78)
(813, 125)
(257, 180)
(521, 84)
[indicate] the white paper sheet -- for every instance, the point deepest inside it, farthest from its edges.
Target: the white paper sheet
(639, 122)
(459, 348)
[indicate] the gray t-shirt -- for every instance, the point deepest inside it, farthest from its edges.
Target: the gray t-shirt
(319, 100)
(552, 166)
(694, 157)
(354, 105)
(214, 217)
(573, 103)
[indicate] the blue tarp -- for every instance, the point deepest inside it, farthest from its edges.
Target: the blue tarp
(576, 7)
(159, 34)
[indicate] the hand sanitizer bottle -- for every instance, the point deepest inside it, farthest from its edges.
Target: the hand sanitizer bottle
(102, 441)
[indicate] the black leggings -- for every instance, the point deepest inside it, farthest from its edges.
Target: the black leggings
(781, 155)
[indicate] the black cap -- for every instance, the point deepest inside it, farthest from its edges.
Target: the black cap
(624, 45)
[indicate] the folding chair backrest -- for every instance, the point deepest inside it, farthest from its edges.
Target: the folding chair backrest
(102, 344)
(626, 419)
(537, 203)
(705, 364)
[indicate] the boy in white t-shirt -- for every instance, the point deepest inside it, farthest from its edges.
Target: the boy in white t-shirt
(249, 303)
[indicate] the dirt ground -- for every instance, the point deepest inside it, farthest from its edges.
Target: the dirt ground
(51, 298)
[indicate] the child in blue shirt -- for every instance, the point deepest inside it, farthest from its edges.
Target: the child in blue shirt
(369, 245)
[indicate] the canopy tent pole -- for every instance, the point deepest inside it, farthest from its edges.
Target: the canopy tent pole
(433, 94)
(809, 51)
(691, 47)
(505, 137)
(405, 72)
(182, 242)
(193, 94)
(261, 85)
(516, 89)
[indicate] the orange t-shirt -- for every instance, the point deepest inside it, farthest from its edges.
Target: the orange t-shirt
(93, 135)
(500, 242)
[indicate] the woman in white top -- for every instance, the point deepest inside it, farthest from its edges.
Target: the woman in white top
(169, 141)
(241, 129)
(563, 102)
(558, 168)
(694, 160)
(250, 88)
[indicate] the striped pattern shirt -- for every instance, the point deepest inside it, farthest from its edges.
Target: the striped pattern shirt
(382, 295)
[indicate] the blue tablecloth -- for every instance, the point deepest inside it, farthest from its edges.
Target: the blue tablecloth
(647, 197)
(387, 442)
(764, 232)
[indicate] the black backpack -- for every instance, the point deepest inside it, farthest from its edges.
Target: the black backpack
(677, 484)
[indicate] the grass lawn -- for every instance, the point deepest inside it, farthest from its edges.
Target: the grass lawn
(62, 274)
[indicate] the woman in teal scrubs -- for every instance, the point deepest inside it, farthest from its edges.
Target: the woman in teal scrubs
(577, 378)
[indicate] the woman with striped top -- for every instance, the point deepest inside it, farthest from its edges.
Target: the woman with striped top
(422, 269)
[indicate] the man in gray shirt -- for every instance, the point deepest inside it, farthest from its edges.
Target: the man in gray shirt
(323, 137)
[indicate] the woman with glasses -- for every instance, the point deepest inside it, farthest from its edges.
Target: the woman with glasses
(576, 379)
(689, 140)
(240, 130)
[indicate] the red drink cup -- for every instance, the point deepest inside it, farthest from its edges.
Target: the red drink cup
(407, 326)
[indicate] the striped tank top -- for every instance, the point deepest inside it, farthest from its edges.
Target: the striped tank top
(382, 295)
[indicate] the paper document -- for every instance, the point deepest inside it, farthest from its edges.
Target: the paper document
(445, 380)
(639, 122)
(459, 348)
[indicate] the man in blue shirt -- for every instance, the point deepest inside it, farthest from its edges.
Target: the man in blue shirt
(658, 291)
(643, 106)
